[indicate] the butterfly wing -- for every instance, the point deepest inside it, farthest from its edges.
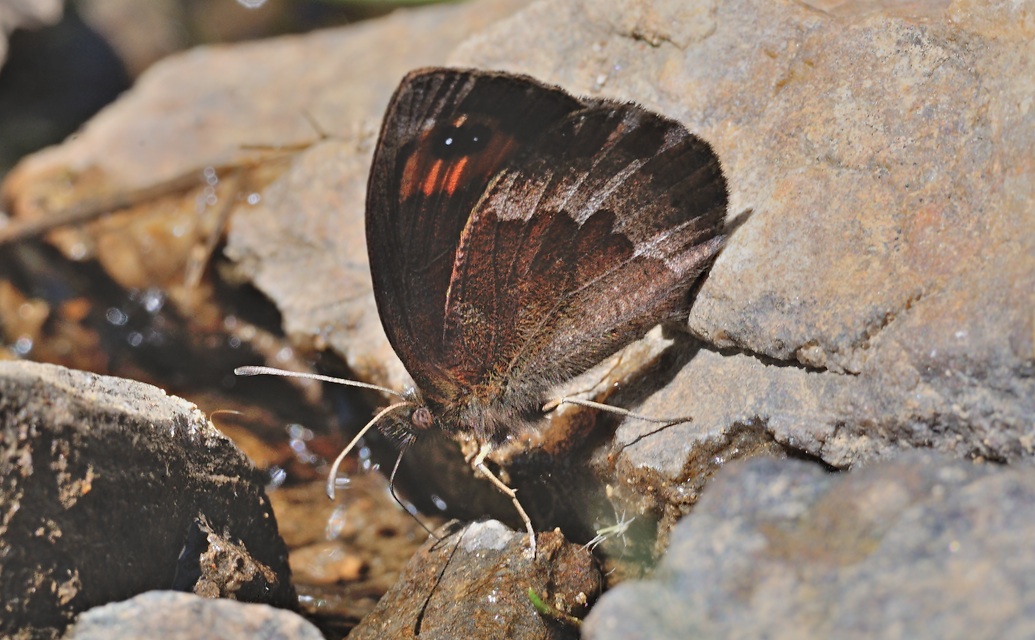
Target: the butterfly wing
(517, 235)
(445, 135)
(583, 242)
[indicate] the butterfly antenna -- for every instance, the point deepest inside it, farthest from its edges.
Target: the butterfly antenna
(284, 373)
(610, 408)
(332, 476)
(434, 587)
(395, 496)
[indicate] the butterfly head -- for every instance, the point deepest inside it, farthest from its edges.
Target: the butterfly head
(405, 421)
(421, 419)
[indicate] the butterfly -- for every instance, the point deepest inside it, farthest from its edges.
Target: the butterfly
(519, 235)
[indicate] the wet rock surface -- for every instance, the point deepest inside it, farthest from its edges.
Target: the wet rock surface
(919, 547)
(110, 488)
(347, 553)
(474, 582)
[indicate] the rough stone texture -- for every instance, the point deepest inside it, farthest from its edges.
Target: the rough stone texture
(104, 482)
(474, 583)
(918, 547)
(182, 616)
(877, 296)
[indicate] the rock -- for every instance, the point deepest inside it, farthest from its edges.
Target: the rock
(918, 547)
(173, 615)
(474, 582)
(901, 315)
(876, 295)
(849, 315)
(109, 488)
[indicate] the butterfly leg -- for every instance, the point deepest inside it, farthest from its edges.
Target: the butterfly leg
(479, 465)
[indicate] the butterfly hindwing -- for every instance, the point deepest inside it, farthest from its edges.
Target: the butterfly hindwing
(584, 241)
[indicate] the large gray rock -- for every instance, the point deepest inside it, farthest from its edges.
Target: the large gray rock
(879, 295)
(919, 547)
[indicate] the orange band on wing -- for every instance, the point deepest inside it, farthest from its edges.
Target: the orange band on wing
(429, 176)
(430, 184)
(455, 174)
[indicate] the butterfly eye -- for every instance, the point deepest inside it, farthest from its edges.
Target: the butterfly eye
(462, 140)
(421, 419)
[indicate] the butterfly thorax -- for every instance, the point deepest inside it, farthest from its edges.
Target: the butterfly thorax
(489, 412)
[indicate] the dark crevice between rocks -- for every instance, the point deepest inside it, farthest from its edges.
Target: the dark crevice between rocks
(771, 361)
(566, 484)
(562, 484)
(795, 453)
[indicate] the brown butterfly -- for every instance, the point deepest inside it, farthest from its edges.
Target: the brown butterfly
(519, 235)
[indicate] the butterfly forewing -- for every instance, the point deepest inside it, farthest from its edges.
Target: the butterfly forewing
(444, 137)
